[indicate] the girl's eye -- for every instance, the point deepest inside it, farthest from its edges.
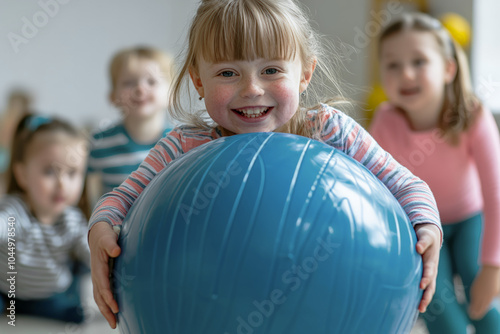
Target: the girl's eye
(270, 71)
(227, 74)
(152, 82)
(49, 171)
(128, 83)
(419, 62)
(392, 66)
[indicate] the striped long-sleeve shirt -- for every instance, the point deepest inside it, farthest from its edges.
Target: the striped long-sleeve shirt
(39, 255)
(115, 154)
(329, 125)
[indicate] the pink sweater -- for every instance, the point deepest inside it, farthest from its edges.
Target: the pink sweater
(465, 179)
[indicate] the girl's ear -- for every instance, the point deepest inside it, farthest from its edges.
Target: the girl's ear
(307, 75)
(198, 84)
(450, 71)
(19, 170)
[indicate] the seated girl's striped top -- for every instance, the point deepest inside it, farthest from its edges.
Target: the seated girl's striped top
(43, 253)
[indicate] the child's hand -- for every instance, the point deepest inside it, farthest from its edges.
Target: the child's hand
(485, 287)
(428, 245)
(103, 245)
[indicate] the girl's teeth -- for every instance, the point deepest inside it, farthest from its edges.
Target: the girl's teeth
(252, 112)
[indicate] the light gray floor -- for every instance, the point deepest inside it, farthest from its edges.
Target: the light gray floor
(96, 324)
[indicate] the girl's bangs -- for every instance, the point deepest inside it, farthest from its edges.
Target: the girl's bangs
(246, 34)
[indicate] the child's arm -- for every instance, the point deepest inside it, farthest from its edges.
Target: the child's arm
(485, 287)
(103, 246)
(413, 194)
(485, 147)
(415, 197)
(112, 209)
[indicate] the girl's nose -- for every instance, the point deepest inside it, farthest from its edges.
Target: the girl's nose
(408, 73)
(140, 88)
(61, 181)
(251, 87)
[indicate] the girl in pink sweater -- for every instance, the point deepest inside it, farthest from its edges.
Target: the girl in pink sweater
(435, 126)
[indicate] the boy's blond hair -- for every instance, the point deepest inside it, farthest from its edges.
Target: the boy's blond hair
(123, 58)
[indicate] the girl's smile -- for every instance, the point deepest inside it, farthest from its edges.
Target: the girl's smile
(409, 91)
(252, 112)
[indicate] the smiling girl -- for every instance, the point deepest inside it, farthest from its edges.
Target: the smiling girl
(252, 61)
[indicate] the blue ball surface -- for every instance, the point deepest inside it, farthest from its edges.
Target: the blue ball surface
(267, 233)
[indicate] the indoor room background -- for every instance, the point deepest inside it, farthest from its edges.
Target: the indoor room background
(59, 49)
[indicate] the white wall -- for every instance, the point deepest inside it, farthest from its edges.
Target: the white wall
(66, 46)
(486, 52)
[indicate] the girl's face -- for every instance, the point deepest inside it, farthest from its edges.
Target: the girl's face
(52, 174)
(141, 89)
(251, 96)
(414, 74)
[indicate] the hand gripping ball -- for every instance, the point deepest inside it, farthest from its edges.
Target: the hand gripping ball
(267, 233)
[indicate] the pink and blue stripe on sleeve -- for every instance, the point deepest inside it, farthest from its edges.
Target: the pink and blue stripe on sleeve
(343, 133)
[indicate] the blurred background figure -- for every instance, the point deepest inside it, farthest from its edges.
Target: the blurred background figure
(43, 221)
(19, 102)
(436, 126)
(140, 80)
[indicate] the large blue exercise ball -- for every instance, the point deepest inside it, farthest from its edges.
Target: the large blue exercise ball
(267, 233)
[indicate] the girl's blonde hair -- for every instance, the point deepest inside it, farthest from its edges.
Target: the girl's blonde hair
(122, 58)
(229, 30)
(460, 102)
(27, 132)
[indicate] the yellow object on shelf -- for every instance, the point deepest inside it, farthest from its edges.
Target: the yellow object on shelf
(458, 28)
(376, 96)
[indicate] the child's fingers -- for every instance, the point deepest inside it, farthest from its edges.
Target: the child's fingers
(103, 246)
(102, 290)
(427, 297)
(429, 274)
(428, 246)
(111, 247)
(101, 279)
(477, 309)
(424, 242)
(106, 295)
(481, 295)
(105, 310)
